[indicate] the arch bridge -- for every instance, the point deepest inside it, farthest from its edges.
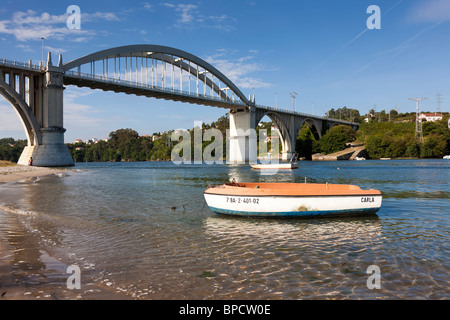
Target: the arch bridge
(36, 93)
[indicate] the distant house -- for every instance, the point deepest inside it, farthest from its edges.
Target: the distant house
(434, 116)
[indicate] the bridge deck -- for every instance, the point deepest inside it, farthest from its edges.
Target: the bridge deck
(128, 87)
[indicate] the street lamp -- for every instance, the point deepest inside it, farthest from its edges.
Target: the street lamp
(42, 38)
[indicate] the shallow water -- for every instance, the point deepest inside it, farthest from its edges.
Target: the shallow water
(144, 230)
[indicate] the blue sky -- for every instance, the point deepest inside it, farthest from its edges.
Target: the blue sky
(321, 49)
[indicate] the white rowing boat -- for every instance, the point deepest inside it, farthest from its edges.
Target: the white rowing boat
(281, 165)
(291, 199)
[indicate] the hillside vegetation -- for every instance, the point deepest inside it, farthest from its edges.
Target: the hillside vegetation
(383, 139)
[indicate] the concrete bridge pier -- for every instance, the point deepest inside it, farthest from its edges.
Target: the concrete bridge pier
(242, 136)
(289, 136)
(50, 151)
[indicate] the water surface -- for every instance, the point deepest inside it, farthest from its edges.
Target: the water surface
(144, 230)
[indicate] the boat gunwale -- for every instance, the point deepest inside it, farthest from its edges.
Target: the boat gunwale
(316, 195)
(235, 189)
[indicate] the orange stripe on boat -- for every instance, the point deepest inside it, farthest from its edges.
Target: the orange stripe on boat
(289, 189)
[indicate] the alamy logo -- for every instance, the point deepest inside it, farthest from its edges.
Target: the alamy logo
(374, 21)
(374, 280)
(74, 21)
(74, 280)
(208, 146)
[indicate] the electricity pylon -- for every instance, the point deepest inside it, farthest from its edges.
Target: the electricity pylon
(419, 133)
(293, 95)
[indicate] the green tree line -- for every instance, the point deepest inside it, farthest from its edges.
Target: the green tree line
(122, 145)
(10, 149)
(381, 138)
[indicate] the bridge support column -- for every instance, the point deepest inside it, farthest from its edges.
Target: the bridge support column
(242, 137)
(289, 139)
(51, 150)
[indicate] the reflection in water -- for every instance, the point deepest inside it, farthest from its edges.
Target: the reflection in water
(29, 265)
(324, 232)
(142, 229)
(295, 259)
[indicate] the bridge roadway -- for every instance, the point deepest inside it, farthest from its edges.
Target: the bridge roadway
(36, 93)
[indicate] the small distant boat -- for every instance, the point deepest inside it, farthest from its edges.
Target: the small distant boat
(281, 165)
(291, 199)
(446, 157)
(360, 158)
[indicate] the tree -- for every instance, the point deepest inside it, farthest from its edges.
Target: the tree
(413, 150)
(336, 138)
(306, 142)
(434, 146)
(11, 149)
(377, 147)
(344, 113)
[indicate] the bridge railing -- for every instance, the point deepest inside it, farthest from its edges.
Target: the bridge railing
(138, 85)
(289, 111)
(306, 115)
(22, 65)
(133, 84)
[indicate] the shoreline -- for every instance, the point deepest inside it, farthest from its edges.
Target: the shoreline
(28, 270)
(16, 173)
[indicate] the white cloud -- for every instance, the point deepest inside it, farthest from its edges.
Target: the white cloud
(189, 16)
(431, 11)
(55, 50)
(239, 70)
(9, 119)
(25, 47)
(78, 114)
(30, 25)
(186, 12)
(147, 6)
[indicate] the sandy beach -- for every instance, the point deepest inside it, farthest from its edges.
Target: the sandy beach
(27, 270)
(15, 254)
(17, 172)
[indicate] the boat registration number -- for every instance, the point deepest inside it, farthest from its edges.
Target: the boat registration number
(242, 200)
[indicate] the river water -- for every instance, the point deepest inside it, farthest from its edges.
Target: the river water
(144, 230)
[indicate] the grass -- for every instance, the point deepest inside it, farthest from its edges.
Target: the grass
(4, 163)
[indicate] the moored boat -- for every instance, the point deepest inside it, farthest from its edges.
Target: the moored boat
(291, 199)
(281, 165)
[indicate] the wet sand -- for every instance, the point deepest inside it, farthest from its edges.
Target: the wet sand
(17, 172)
(27, 270)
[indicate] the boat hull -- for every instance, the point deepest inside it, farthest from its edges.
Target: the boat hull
(325, 203)
(277, 166)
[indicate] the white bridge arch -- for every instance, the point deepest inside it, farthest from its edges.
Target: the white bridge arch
(36, 93)
(155, 71)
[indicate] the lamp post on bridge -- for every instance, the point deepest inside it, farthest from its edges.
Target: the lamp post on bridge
(42, 61)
